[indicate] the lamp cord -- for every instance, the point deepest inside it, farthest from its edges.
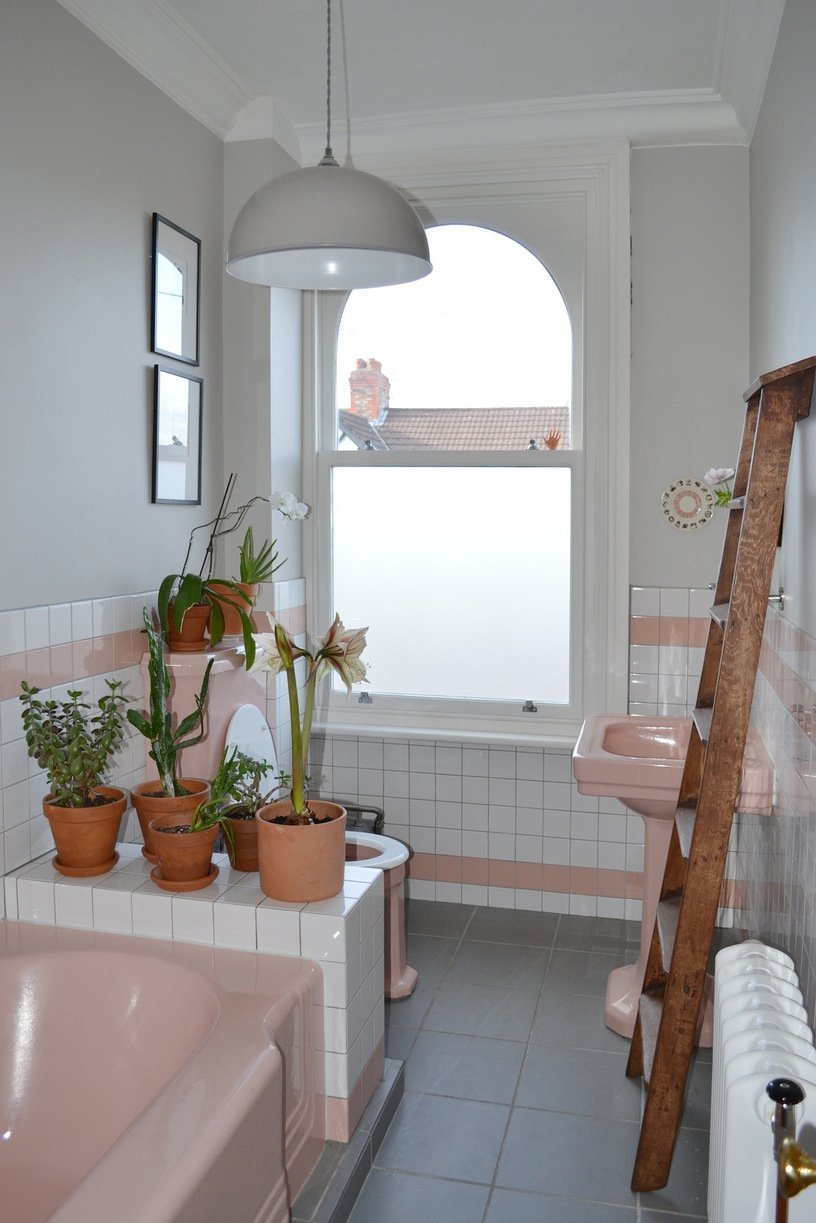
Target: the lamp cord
(328, 156)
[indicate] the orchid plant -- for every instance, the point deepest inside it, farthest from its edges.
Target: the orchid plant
(719, 478)
(339, 651)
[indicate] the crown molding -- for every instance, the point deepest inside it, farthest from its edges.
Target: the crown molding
(151, 36)
(673, 117)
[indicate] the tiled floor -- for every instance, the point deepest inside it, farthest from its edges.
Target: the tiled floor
(517, 1108)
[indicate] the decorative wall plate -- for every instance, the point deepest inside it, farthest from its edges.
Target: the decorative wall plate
(687, 504)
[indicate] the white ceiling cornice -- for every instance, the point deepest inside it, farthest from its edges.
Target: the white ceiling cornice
(153, 38)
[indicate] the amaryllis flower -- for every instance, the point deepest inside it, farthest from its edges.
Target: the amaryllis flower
(718, 475)
(274, 651)
(288, 505)
(340, 649)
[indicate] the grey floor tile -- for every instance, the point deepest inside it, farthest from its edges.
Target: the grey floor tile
(609, 934)
(430, 955)
(580, 1151)
(687, 1189)
(573, 1021)
(697, 1108)
(500, 964)
(437, 917)
(410, 1012)
(399, 1041)
(513, 926)
(580, 972)
(571, 1081)
(394, 1197)
(470, 1067)
(512, 1206)
(439, 1136)
(482, 1010)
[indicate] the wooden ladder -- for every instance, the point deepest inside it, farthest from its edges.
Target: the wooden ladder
(674, 983)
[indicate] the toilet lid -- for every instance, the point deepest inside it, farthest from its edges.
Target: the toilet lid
(249, 732)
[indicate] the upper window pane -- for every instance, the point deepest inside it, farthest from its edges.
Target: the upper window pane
(476, 356)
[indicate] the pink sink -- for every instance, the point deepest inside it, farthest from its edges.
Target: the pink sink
(639, 760)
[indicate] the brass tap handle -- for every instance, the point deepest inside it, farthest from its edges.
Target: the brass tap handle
(797, 1169)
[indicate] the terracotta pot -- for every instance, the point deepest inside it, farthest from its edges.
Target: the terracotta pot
(193, 632)
(232, 621)
(149, 805)
(302, 862)
(85, 837)
(185, 858)
(245, 844)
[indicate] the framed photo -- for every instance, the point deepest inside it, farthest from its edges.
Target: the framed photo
(176, 438)
(175, 308)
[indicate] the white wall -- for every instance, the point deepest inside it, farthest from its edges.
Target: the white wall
(262, 365)
(783, 282)
(89, 149)
(689, 345)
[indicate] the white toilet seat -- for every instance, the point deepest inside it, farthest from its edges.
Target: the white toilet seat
(389, 853)
(249, 732)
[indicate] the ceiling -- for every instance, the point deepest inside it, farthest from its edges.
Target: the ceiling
(437, 73)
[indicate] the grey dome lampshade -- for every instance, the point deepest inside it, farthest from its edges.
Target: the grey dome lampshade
(328, 227)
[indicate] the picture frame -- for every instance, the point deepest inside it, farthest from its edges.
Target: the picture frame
(175, 292)
(177, 416)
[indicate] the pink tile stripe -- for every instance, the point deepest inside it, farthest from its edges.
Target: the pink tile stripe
(72, 662)
(668, 630)
(530, 876)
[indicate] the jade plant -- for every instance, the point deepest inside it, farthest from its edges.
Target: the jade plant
(73, 745)
(167, 739)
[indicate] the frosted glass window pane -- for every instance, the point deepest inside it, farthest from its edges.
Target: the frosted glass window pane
(462, 575)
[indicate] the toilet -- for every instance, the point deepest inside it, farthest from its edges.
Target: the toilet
(249, 733)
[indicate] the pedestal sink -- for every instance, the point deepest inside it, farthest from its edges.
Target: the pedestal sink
(639, 759)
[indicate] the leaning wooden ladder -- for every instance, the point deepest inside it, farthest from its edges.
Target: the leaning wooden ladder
(673, 988)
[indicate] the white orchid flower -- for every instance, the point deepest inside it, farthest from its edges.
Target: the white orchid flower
(718, 475)
(288, 505)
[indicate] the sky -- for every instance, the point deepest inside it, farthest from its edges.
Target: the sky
(487, 328)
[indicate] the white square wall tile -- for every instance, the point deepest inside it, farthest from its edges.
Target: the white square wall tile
(645, 601)
(82, 620)
(35, 901)
(278, 928)
(192, 920)
(152, 913)
(74, 906)
(12, 632)
(674, 601)
(234, 926)
(59, 624)
(36, 628)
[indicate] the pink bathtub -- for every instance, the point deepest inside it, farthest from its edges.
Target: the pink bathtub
(148, 1081)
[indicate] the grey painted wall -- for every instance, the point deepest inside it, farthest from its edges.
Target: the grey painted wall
(783, 263)
(689, 345)
(89, 149)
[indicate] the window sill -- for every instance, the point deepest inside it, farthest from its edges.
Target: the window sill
(502, 738)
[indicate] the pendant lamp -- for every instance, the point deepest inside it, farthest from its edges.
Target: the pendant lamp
(328, 226)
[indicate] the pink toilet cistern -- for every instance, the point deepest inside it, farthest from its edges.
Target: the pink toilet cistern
(639, 760)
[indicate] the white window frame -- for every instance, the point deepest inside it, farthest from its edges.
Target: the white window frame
(599, 178)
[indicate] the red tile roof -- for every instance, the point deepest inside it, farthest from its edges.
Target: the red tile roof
(457, 428)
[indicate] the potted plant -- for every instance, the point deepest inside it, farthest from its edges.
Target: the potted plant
(184, 846)
(170, 795)
(193, 604)
(301, 842)
(249, 792)
(75, 746)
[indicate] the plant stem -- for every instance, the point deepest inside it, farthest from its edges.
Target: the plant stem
(298, 797)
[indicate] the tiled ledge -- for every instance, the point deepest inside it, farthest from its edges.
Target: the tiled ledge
(344, 935)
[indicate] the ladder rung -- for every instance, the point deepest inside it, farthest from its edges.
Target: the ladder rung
(702, 720)
(719, 613)
(668, 912)
(684, 821)
(651, 1009)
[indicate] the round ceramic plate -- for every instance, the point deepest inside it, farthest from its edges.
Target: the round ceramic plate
(687, 504)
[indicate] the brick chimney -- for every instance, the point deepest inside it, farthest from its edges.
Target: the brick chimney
(370, 389)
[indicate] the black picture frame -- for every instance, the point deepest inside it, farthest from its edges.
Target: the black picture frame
(175, 299)
(177, 419)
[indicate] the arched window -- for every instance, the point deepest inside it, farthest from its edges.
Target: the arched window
(465, 487)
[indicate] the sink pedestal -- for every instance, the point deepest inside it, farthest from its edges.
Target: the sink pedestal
(639, 760)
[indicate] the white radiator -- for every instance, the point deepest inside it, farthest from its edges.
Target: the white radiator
(760, 1033)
